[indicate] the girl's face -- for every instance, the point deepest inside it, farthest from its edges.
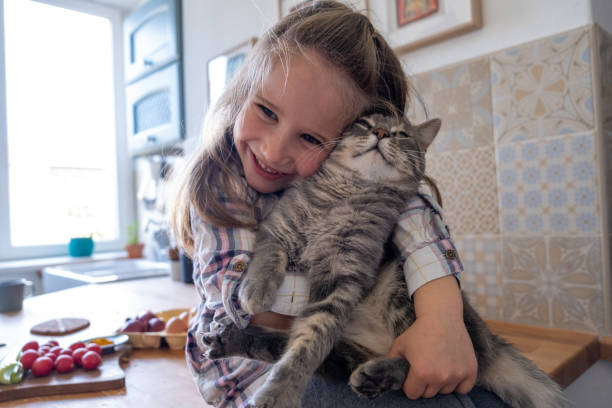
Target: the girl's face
(290, 126)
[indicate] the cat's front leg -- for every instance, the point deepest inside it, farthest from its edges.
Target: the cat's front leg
(256, 343)
(286, 397)
(227, 342)
(264, 275)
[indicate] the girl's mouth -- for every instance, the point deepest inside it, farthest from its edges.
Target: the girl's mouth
(265, 171)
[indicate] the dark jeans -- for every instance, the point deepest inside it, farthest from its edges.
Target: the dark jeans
(330, 394)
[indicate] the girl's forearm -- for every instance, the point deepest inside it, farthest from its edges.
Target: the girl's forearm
(439, 298)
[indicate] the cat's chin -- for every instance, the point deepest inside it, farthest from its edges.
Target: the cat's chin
(381, 173)
(373, 167)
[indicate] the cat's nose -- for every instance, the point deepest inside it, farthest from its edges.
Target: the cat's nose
(381, 133)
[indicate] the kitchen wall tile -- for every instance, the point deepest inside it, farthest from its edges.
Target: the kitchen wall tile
(608, 143)
(421, 101)
(467, 181)
(461, 97)
(482, 279)
(523, 262)
(522, 189)
(550, 186)
(543, 88)
(553, 282)
(605, 57)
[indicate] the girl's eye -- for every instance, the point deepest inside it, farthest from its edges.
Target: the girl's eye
(267, 112)
(311, 139)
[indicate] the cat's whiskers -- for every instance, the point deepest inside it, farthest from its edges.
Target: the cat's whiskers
(312, 151)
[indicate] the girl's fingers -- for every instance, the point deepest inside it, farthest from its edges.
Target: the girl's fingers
(447, 389)
(431, 391)
(413, 387)
(465, 386)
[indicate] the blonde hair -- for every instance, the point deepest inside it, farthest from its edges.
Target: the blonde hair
(345, 39)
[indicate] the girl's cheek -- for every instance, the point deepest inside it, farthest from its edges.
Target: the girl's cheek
(310, 164)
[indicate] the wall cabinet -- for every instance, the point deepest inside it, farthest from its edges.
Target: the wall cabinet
(154, 114)
(154, 78)
(152, 36)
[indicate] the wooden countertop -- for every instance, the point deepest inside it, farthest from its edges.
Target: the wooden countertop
(562, 354)
(160, 378)
(153, 377)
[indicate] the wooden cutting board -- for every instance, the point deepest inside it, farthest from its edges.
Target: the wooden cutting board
(109, 375)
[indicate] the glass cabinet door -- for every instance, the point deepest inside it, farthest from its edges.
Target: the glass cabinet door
(152, 37)
(154, 111)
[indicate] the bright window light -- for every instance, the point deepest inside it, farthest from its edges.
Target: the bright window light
(60, 124)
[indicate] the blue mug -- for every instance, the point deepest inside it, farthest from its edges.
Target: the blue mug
(81, 246)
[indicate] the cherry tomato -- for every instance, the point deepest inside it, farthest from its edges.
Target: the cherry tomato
(64, 363)
(67, 352)
(78, 354)
(30, 345)
(42, 366)
(95, 347)
(44, 350)
(56, 350)
(91, 360)
(51, 355)
(51, 344)
(76, 345)
(28, 357)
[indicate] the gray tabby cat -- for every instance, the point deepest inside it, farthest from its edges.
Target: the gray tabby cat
(333, 226)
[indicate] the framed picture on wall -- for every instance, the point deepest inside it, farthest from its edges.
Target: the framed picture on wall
(287, 6)
(409, 11)
(412, 24)
(222, 68)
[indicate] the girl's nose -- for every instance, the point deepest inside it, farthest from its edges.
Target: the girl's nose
(276, 150)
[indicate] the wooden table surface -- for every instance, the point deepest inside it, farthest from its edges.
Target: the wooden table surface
(160, 378)
(153, 377)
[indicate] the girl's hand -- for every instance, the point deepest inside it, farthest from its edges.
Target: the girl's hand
(437, 345)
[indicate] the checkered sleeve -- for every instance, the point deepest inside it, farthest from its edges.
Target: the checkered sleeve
(425, 244)
(219, 261)
(220, 258)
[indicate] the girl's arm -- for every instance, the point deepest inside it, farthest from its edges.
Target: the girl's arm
(437, 345)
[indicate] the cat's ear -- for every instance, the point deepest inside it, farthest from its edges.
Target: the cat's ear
(426, 132)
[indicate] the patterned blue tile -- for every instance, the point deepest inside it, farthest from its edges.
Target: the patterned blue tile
(550, 186)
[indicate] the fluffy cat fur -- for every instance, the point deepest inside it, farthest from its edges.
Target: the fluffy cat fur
(334, 226)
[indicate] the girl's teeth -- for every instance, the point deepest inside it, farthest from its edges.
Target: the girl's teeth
(263, 166)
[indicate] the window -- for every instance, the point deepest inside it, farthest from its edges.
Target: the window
(63, 162)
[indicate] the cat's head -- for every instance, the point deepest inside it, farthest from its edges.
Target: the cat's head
(383, 148)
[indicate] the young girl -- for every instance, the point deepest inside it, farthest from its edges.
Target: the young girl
(306, 79)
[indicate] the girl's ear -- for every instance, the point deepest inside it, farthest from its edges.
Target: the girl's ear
(427, 131)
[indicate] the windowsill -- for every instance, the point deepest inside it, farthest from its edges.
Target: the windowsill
(24, 265)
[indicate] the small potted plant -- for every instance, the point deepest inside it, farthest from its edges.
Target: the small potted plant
(133, 247)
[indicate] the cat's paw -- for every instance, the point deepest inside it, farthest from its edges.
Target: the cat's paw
(215, 347)
(375, 377)
(219, 344)
(256, 295)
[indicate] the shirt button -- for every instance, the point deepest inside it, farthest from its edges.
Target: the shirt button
(450, 254)
(239, 266)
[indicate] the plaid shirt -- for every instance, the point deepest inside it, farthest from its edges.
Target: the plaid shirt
(220, 257)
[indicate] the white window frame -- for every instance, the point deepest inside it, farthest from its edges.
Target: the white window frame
(125, 196)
